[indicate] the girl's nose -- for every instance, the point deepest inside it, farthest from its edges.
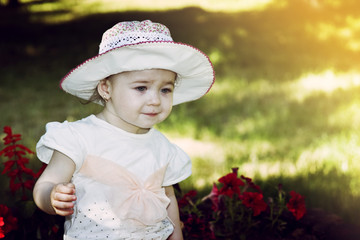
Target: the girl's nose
(154, 98)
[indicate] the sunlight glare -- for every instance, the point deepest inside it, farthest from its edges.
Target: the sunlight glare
(338, 152)
(68, 10)
(269, 169)
(215, 57)
(326, 82)
(346, 117)
(200, 149)
(347, 33)
(235, 5)
(334, 3)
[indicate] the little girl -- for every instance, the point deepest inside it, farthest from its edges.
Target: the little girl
(111, 174)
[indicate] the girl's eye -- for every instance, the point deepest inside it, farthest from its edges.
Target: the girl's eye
(141, 88)
(166, 90)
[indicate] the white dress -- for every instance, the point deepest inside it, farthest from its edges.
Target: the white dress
(119, 178)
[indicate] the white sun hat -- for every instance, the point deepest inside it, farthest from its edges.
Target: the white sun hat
(131, 46)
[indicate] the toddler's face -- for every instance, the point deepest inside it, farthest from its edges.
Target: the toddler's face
(140, 99)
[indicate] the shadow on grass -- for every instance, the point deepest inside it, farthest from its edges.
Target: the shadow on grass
(332, 186)
(289, 124)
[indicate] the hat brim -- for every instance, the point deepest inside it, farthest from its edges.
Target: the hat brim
(193, 67)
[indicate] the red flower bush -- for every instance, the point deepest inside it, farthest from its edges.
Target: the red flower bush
(20, 176)
(237, 210)
(7, 221)
(28, 223)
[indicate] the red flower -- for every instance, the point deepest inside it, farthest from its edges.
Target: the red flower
(214, 197)
(55, 228)
(10, 138)
(7, 221)
(2, 235)
(251, 184)
(254, 200)
(186, 199)
(41, 170)
(296, 205)
(21, 177)
(231, 184)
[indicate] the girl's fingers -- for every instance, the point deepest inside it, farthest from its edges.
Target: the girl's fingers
(63, 209)
(67, 188)
(63, 205)
(64, 213)
(70, 185)
(62, 199)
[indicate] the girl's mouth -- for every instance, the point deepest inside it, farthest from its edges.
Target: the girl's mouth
(151, 114)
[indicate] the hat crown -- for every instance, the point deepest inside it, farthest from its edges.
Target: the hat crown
(127, 33)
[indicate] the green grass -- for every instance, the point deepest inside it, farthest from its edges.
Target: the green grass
(272, 111)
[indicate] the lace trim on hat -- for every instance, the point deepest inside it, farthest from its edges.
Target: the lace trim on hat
(128, 39)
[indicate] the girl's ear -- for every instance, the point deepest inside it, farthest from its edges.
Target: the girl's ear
(104, 89)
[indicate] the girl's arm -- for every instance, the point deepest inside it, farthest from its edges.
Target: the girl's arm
(53, 193)
(173, 213)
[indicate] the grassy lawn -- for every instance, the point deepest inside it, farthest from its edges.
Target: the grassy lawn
(285, 106)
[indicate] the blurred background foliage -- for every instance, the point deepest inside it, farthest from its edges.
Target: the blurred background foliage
(285, 106)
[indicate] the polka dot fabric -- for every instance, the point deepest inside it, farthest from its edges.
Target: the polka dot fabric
(96, 220)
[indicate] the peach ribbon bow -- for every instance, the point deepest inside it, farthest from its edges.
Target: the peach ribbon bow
(131, 198)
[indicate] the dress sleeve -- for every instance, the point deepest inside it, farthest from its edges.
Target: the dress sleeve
(179, 167)
(64, 138)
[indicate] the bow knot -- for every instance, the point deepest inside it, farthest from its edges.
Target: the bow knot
(130, 197)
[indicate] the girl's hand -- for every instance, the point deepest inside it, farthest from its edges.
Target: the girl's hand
(53, 193)
(62, 198)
